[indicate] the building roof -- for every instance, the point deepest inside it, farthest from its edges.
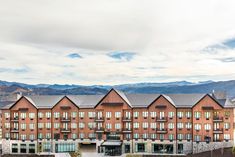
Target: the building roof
(134, 100)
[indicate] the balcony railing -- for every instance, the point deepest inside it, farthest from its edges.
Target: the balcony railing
(99, 129)
(15, 130)
(218, 131)
(64, 130)
(15, 119)
(99, 119)
(218, 119)
(126, 130)
(162, 130)
(162, 119)
(65, 119)
(126, 119)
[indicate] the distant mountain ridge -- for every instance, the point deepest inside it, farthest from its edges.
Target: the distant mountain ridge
(164, 88)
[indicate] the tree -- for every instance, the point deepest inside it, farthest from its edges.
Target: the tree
(77, 153)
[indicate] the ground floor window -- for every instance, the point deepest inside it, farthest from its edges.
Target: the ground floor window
(140, 147)
(180, 148)
(14, 148)
(113, 150)
(23, 148)
(64, 147)
(31, 148)
(162, 148)
(47, 147)
(127, 148)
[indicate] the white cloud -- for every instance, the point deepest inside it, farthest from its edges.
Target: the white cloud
(168, 37)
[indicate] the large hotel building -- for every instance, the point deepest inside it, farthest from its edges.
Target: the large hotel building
(118, 123)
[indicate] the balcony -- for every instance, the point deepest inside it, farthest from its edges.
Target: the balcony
(162, 131)
(218, 119)
(65, 119)
(126, 119)
(15, 119)
(126, 130)
(99, 130)
(15, 130)
(99, 119)
(63, 130)
(218, 131)
(162, 119)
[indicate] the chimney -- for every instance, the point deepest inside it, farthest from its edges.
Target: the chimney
(18, 95)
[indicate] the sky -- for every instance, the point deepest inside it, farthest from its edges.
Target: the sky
(116, 41)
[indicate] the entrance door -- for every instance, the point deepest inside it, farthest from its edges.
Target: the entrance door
(127, 148)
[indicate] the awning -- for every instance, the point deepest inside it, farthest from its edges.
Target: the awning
(111, 143)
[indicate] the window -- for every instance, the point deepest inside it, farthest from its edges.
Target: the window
(23, 126)
(56, 125)
(81, 125)
(23, 137)
(180, 125)
(153, 114)
(40, 125)
(226, 136)
(145, 125)
(73, 125)
(188, 125)
(180, 136)
(136, 125)
(128, 115)
(31, 115)
(188, 114)
(145, 135)
(108, 114)
(171, 136)
(91, 114)
(136, 114)
(227, 114)
(40, 136)
(7, 115)
(31, 126)
(91, 135)
(74, 136)
(153, 125)
(161, 126)
(135, 135)
(207, 115)
(7, 135)
(117, 114)
(188, 136)
(145, 114)
(73, 114)
(108, 125)
(153, 136)
(162, 115)
(16, 126)
(197, 126)
(170, 114)
(82, 135)
(226, 125)
(197, 138)
(48, 125)
(207, 127)
(65, 115)
(7, 125)
(197, 114)
(14, 148)
(56, 114)
(48, 114)
(48, 135)
(117, 126)
(22, 115)
(81, 114)
(31, 137)
(180, 114)
(171, 125)
(161, 137)
(100, 115)
(91, 125)
(40, 115)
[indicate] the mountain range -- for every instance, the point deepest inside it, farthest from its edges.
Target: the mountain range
(164, 88)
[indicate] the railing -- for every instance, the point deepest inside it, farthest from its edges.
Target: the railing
(126, 118)
(65, 119)
(218, 119)
(99, 119)
(15, 130)
(99, 129)
(218, 131)
(162, 119)
(15, 119)
(65, 130)
(127, 130)
(162, 130)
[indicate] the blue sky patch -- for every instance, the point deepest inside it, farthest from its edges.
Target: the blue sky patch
(125, 56)
(74, 55)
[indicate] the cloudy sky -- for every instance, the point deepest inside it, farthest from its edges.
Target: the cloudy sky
(116, 41)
